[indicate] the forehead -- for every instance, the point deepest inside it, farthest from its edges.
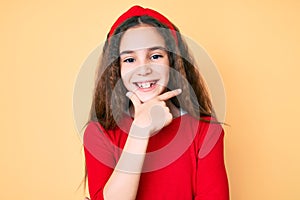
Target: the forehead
(141, 37)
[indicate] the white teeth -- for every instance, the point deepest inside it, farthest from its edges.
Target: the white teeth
(145, 85)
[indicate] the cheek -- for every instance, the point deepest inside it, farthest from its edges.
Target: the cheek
(166, 74)
(167, 70)
(126, 75)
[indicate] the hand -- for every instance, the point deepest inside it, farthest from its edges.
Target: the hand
(86, 198)
(153, 115)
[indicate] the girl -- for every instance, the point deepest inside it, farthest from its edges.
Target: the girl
(152, 132)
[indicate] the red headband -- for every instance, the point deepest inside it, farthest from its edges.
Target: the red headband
(140, 11)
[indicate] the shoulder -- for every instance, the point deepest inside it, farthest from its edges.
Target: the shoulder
(98, 146)
(93, 128)
(210, 124)
(208, 133)
(95, 133)
(203, 125)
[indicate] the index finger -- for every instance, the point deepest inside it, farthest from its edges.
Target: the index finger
(169, 95)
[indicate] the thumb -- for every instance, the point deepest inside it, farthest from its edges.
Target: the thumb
(134, 99)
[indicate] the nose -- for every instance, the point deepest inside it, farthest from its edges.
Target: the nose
(144, 70)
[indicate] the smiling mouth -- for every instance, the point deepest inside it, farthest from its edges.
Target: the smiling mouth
(145, 84)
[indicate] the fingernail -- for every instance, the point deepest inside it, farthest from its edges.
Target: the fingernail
(128, 94)
(179, 91)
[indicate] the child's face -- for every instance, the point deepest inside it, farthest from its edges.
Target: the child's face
(144, 62)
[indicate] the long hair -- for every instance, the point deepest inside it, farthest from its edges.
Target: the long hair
(109, 89)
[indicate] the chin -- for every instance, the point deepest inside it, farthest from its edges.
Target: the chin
(146, 97)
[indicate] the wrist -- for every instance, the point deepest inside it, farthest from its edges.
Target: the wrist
(136, 131)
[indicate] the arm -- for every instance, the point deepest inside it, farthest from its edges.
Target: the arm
(103, 179)
(211, 177)
(122, 182)
(125, 178)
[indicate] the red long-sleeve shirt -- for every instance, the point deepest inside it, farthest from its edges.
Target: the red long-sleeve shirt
(184, 160)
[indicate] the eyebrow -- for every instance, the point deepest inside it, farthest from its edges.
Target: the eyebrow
(149, 49)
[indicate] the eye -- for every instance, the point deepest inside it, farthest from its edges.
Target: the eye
(128, 60)
(156, 56)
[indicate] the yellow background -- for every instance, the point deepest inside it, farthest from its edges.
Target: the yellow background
(254, 45)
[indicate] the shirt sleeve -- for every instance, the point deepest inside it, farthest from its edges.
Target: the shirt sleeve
(211, 177)
(99, 158)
